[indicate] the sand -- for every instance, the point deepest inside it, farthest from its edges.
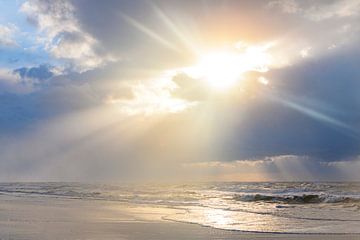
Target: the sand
(41, 218)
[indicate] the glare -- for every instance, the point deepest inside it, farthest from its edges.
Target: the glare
(224, 69)
(220, 69)
(218, 217)
(263, 80)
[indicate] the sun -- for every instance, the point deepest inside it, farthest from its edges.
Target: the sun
(220, 70)
(224, 69)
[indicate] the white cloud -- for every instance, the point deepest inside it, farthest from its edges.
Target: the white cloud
(63, 35)
(151, 97)
(319, 26)
(320, 10)
(7, 35)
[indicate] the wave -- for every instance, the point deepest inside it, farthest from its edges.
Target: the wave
(191, 196)
(296, 199)
(65, 194)
(279, 232)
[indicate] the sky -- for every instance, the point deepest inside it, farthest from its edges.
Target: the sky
(218, 90)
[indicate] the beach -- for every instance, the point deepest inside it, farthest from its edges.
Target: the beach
(175, 119)
(39, 218)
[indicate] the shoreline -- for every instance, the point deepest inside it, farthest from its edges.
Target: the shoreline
(55, 218)
(265, 233)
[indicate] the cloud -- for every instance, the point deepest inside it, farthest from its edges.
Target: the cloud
(337, 9)
(7, 33)
(12, 83)
(190, 88)
(25, 80)
(63, 35)
(349, 169)
(287, 6)
(277, 168)
(309, 108)
(41, 72)
(150, 98)
(25, 106)
(319, 11)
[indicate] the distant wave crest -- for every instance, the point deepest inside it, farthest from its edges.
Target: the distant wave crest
(296, 199)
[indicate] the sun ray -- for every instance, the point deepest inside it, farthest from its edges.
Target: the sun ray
(313, 113)
(175, 29)
(152, 34)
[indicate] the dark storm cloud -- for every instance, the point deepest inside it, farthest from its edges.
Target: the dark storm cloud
(315, 112)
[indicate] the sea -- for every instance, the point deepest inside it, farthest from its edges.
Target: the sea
(270, 207)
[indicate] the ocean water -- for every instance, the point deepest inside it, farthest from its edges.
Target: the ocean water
(293, 207)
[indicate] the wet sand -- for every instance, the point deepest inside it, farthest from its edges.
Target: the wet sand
(41, 218)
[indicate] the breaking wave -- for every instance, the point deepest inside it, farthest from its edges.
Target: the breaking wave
(296, 199)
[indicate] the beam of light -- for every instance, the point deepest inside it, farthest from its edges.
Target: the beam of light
(68, 137)
(149, 32)
(312, 113)
(171, 25)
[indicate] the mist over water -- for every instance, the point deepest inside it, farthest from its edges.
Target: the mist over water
(294, 207)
